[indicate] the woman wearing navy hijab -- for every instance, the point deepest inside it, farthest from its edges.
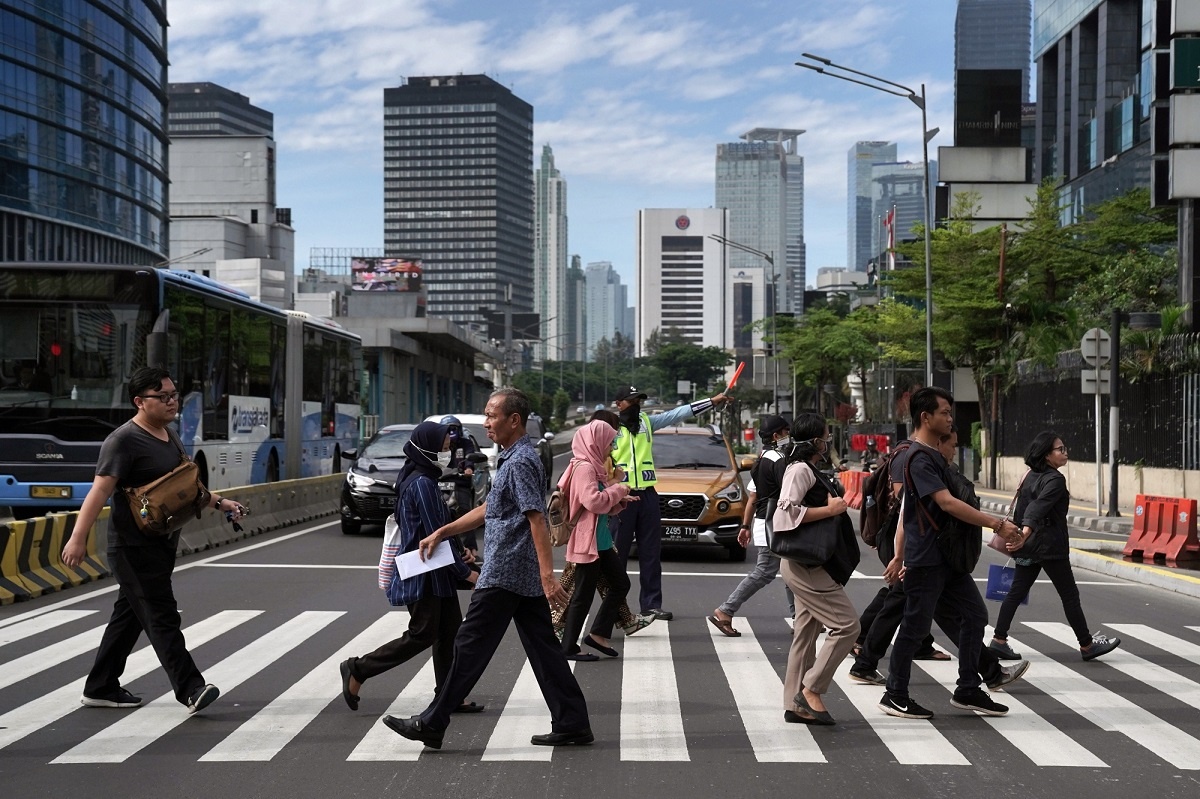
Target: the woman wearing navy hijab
(432, 597)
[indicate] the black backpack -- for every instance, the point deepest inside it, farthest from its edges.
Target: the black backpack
(880, 509)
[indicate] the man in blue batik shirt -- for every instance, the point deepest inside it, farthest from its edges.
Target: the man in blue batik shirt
(514, 585)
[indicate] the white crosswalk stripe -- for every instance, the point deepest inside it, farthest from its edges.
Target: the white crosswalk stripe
(1108, 710)
(651, 719)
(127, 737)
(758, 692)
(273, 727)
(24, 629)
(652, 724)
(49, 708)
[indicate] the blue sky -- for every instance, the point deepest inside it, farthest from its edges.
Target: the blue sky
(633, 98)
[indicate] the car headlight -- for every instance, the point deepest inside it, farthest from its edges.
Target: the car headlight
(362, 482)
(731, 492)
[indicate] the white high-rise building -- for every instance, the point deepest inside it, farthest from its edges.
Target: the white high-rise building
(681, 275)
(861, 223)
(605, 301)
(550, 255)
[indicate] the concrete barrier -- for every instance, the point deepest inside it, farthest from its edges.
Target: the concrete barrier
(31, 550)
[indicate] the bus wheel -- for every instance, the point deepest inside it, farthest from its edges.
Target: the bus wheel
(202, 465)
(273, 468)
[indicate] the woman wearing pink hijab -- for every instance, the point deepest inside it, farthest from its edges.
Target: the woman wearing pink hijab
(593, 492)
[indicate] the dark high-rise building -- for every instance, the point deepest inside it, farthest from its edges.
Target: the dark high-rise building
(992, 35)
(83, 142)
(206, 109)
(458, 191)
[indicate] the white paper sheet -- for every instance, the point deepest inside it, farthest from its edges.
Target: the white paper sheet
(409, 564)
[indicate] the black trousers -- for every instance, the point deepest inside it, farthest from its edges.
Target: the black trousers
(1063, 578)
(924, 588)
(891, 620)
(145, 601)
(586, 576)
(433, 622)
(482, 629)
(887, 620)
(641, 521)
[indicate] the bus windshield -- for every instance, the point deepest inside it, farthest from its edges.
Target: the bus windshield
(68, 341)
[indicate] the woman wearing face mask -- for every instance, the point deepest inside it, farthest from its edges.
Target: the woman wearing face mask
(431, 598)
(594, 491)
(808, 496)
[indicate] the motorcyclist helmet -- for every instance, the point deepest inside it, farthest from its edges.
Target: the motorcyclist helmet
(454, 425)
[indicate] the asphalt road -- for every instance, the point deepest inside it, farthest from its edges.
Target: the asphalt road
(682, 712)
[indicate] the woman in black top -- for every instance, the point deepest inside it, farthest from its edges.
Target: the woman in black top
(1041, 513)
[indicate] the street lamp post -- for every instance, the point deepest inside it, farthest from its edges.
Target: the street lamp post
(926, 135)
(770, 259)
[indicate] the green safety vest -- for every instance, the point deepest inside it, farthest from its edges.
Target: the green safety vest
(635, 455)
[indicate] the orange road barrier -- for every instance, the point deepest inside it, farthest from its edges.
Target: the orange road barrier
(1163, 527)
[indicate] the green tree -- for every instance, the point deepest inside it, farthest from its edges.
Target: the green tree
(561, 403)
(699, 365)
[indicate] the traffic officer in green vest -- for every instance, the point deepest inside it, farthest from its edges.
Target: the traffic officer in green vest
(642, 520)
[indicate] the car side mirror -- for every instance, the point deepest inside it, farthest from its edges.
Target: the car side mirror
(746, 464)
(549, 436)
(350, 455)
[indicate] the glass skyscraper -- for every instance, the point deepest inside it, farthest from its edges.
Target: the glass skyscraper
(550, 256)
(861, 222)
(458, 191)
(993, 34)
(83, 143)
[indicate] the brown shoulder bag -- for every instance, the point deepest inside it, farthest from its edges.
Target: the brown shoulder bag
(167, 503)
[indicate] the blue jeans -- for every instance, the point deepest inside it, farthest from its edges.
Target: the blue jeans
(762, 575)
(923, 587)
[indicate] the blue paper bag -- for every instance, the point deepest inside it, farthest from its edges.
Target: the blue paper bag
(1000, 580)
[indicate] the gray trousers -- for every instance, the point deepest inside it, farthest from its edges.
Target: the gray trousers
(762, 575)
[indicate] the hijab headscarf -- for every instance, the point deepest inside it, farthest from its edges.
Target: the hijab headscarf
(593, 444)
(421, 451)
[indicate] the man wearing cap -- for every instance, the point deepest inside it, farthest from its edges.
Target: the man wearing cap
(642, 520)
(765, 481)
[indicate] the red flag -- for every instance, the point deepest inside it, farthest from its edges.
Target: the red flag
(889, 222)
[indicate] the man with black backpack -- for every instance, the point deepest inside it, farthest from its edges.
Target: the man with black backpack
(927, 506)
(886, 611)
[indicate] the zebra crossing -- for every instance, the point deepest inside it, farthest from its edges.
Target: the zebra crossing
(1141, 697)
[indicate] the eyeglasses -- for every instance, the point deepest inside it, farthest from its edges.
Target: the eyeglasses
(1063, 450)
(163, 398)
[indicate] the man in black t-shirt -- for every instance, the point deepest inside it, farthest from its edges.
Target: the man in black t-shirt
(765, 481)
(136, 453)
(927, 505)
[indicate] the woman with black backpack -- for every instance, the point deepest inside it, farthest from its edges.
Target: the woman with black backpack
(1044, 544)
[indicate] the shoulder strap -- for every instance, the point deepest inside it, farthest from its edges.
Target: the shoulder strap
(922, 511)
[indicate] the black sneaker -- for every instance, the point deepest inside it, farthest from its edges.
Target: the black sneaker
(1008, 674)
(660, 614)
(872, 677)
(203, 698)
(977, 699)
(1003, 651)
(903, 707)
(1100, 645)
(119, 698)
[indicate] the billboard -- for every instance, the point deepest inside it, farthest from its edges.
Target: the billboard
(987, 108)
(385, 274)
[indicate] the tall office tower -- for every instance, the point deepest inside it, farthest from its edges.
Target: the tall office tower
(899, 185)
(1096, 73)
(83, 140)
(570, 346)
(549, 254)
(861, 223)
(605, 301)
(458, 191)
(761, 183)
(994, 35)
(197, 109)
(224, 219)
(681, 275)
